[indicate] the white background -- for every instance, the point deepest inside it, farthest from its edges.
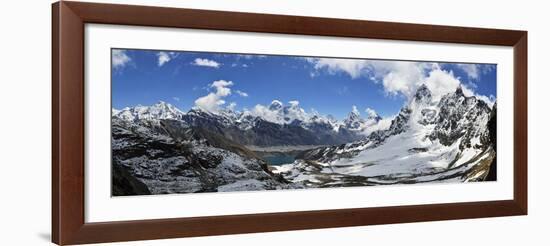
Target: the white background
(100, 207)
(25, 123)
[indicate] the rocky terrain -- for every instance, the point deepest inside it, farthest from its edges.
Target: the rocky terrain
(168, 156)
(446, 140)
(159, 149)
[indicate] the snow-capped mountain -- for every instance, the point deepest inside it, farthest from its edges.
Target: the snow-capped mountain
(279, 113)
(153, 113)
(445, 139)
(198, 116)
(354, 121)
(276, 124)
(160, 149)
(254, 130)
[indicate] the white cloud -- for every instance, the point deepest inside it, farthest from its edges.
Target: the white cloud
(397, 77)
(472, 70)
(214, 100)
(353, 67)
(403, 77)
(264, 112)
(294, 103)
(164, 57)
(241, 93)
(177, 99)
(232, 106)
(490, 100)
(382, 124)
(441, 82)
(119, 58)
(475, 70)
(472, 85)
(221, 87)
(355, 110)
(206, 63)
(371, 113)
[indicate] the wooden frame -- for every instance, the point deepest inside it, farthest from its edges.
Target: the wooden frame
(68, 224)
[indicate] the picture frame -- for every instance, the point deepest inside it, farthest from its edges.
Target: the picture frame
(68, 122)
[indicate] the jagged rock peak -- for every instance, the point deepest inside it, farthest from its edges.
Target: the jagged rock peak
(459, 90)
(160, 110)
(372, 114)
(354, 118)
(423, 93)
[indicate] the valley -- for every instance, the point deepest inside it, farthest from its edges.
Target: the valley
(447, 139)
(279, 155)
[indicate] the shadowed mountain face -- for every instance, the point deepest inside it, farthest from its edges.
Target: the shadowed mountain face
(261, 132)
(125, 184)
(286, 125)
(492, 125)
(160, 149)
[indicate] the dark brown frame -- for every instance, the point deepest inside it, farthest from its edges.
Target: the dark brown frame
(68, 224)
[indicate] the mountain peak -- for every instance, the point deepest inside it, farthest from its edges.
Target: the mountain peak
(372, 114)
(160, 102)
(155, 112)
(354, 115)
(354, 111)
(423, 92)
(354, 120)
(459, 90)
(197, 110)
(163, 104)
(275, 105)
(294, 103)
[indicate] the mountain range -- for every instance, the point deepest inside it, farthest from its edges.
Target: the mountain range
(279, 125)
(161, 149)
(448, 140)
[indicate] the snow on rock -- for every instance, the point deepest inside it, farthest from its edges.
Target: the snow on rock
(443, 139)
(154, 113)
(172, 159)
(432, 139)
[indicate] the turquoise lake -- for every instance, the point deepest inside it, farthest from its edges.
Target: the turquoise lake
(278, 160)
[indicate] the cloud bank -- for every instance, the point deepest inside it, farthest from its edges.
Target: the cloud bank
(403, 78)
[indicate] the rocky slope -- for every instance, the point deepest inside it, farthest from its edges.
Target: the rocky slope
(169, 156)
(429, 140)
(160, 149)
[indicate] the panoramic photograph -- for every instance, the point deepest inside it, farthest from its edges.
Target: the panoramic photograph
(195, 122)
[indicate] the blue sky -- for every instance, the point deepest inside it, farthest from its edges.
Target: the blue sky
(327, 85)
